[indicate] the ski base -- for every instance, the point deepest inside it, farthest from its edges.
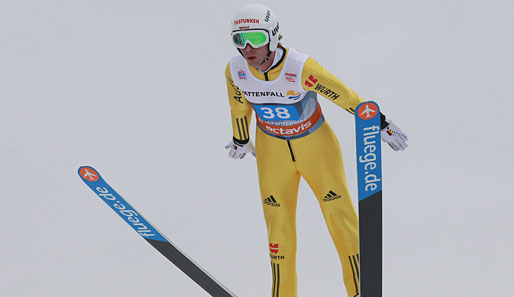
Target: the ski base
(94, 180)
(369, 175)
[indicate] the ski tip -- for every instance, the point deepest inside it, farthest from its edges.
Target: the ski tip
(88, 173)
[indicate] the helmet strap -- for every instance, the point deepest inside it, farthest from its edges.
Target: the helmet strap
(266, 59)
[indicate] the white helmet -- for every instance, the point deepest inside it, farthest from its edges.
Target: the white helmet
(257, 16)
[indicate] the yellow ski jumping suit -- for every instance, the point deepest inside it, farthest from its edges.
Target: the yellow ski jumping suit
(294, 140)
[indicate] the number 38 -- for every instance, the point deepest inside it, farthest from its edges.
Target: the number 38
(270, 113)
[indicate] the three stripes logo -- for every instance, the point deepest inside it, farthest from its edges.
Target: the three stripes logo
(354, 263)
(271, 201)
(276, 279)
(242, 128)
(331, 196)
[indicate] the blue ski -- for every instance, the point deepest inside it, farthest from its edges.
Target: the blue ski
(369, 174)
(93, 179)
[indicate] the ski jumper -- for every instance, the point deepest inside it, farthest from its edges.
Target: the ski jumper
(293, 140)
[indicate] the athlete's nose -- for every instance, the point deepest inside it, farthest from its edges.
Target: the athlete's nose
(248, 48)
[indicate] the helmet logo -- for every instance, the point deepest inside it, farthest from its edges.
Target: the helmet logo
(241, 21)
(268, 15)
(275, 30)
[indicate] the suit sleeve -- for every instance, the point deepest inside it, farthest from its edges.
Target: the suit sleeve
(318, 79)
(240, 110)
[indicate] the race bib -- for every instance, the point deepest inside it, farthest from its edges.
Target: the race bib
(277, 112)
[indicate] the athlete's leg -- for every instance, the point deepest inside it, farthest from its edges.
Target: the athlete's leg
(320, 162)
(278, 181)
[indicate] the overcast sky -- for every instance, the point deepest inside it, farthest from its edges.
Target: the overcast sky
(136, 89)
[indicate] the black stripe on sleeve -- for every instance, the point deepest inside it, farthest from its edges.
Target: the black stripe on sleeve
(239, 129)
(355, 273)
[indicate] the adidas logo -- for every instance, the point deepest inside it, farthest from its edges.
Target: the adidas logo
(331, 196)
(271, 201)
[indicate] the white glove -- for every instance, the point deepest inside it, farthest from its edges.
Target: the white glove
(238, 151)
(395, 137)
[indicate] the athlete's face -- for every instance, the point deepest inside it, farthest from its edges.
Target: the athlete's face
(254, 56)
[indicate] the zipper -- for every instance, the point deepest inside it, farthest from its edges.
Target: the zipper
(291, 151)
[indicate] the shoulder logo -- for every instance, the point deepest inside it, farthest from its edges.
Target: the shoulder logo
(89, 174)
(311, 81)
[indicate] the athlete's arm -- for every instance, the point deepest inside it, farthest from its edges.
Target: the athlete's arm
(318, 79)
(240, 110)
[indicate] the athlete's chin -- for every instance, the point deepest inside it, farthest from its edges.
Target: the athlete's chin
(252, 61)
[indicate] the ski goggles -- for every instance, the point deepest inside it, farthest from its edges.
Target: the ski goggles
(256, 38)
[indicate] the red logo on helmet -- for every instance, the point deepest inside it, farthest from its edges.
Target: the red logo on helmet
(246, 21)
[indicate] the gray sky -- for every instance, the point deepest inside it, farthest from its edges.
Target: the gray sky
(136, 89)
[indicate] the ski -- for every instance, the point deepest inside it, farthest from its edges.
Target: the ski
(369, 175)
(96, 183)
